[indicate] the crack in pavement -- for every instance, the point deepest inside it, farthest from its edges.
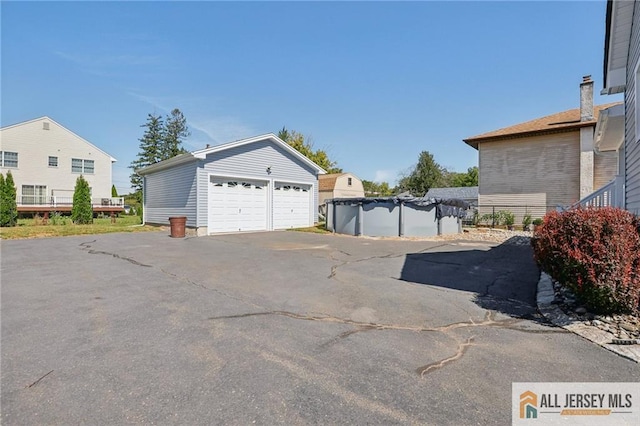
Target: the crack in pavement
(334, 268)
(462, 349)
(488, 321)
(87, 247)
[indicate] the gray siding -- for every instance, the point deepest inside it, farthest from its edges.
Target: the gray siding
(251, 161)
(171, 192)
(632, 145)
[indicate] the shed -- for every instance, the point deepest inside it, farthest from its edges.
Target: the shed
(255, 184)
(340, 185)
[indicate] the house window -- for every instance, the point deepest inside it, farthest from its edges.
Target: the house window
(34, 194)
(53, 161)
(349, 181)
(9, 159)
(76, 165)
(79, 165)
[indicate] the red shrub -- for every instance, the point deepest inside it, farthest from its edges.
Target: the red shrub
(594, 252)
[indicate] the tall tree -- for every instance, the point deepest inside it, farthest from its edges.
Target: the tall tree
(175, 131)
(426, 174)
(82, 210)
(455, 179)
(374, 189)
(151, 144)
(8, 207)
(162, 139)
(304, 146)
(114, 191)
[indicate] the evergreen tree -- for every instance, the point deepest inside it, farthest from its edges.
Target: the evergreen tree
(150, 148)
(3, 202)
(82, 210)
(426, 174)
(175, 131)
(114, 191)
(9, 207)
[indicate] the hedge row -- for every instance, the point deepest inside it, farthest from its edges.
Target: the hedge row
(595, 253)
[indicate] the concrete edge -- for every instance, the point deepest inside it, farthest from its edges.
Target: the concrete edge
(557, 317)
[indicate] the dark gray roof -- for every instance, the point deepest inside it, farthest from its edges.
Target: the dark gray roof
(464, 193)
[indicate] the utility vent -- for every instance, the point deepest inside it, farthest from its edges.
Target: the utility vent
(45, 125)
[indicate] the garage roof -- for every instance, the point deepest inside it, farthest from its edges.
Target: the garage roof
(202, 154)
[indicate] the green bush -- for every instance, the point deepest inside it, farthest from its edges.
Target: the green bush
(82, 210)
(8, 205)
(507, 217)
(55, 218)
(595, 253)
(526, 221)
(537, 221)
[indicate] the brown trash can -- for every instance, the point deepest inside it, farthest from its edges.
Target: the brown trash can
(177, 226)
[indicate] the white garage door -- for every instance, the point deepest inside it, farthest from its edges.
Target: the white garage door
(291, 206)
(237, 205)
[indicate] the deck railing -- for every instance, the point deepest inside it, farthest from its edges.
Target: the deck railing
(610, 195)
(55, 201)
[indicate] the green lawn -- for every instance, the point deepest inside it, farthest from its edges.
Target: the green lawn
(317, 229)
(60, 226)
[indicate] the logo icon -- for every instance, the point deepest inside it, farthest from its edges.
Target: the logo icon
(528, 405)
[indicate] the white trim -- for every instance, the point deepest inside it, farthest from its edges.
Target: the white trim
(270, 188)
(636, 77)
(113, 160)
(617, 77)
(202, 154)
(312, 199)
(165, 164)
(269, 194)
(609, 127)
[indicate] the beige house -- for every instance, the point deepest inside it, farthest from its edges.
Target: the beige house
(339, 185)
(45, 159)
(545, 163)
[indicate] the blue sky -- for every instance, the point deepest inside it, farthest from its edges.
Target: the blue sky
(373, 83)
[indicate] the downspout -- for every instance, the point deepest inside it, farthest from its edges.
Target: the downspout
(144, 206)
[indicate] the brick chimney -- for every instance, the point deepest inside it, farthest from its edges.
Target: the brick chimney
(586, 99)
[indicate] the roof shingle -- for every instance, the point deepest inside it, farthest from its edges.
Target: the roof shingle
(555, 123)
(328, 182)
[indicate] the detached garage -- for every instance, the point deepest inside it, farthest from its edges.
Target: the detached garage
(255, 184)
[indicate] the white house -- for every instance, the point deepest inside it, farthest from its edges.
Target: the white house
(619, 129)
(45, 160)
(254, 184)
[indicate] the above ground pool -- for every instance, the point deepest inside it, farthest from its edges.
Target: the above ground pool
(395, 216)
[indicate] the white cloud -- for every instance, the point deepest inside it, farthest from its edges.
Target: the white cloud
(109, 65)
(388, 176)
(221, 129)
(205, 129)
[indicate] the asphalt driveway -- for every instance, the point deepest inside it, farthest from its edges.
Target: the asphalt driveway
(276, 328)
